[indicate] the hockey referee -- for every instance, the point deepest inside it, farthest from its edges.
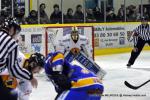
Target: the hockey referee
(8, 58)
(141, 36)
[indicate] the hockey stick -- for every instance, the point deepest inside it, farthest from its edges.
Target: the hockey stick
(135, 87)
(52, 38)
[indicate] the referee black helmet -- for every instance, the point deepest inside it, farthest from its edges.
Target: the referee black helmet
(144, 19)
(10, 22)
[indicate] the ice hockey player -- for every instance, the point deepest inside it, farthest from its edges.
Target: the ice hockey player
(72, 82)
(34, 64)
(22, 89)
(77, 47)
(8, 57)
(75, 43)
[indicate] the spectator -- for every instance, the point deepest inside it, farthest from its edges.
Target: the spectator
(98, 14)
(32, 18)
(111, 16)
(6, 3)
(90, 16)
(109, 8)
(121, 13)
(133, 15)
(4, 14)
(79, 16)
(127, 13)
(69, 18)
(43, 15)
(19, 14)
(56, 16)
(146, 13)
(138, 15)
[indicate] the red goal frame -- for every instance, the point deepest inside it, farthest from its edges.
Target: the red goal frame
(46, 36)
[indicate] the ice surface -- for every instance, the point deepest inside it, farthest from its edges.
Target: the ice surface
(117, 73)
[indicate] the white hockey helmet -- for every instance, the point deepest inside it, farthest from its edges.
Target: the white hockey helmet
(74, 29)
(75, 33)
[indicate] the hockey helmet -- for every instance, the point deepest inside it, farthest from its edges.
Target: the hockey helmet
(11, 22)
(144, 19)
(54, 62)
(57, 58)
(74, 29)
(38, 58)
(75, 33)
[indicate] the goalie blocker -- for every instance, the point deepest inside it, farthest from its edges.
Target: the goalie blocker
(86, 62)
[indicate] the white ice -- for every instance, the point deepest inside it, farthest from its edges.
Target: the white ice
(117, 73)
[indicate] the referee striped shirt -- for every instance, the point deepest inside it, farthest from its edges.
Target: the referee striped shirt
(8, 57)
(143, 32)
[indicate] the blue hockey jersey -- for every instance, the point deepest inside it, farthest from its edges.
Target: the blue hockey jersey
(79, 77)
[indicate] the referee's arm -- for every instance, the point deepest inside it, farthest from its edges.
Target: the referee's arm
(135, 36)
(135, 39)
(13, 65)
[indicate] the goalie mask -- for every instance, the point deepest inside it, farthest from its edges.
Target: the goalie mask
(75, 34)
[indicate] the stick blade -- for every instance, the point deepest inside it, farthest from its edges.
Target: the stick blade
(130, 86)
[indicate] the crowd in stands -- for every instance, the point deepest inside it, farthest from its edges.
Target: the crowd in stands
(133, 13)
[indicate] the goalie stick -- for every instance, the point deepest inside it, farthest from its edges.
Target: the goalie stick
(52, 38)
(135, 87)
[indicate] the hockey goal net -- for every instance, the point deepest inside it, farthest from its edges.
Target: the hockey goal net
(43, 38)
(54, 34)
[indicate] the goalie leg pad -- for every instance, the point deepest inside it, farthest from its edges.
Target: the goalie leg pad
(69, 56)
(90, 65)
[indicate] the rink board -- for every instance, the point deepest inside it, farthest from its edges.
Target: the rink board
(109, 38)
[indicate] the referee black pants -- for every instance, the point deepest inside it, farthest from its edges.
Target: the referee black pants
(5, 93)
(135, 54)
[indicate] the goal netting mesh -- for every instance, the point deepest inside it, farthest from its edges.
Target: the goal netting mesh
(43, 39)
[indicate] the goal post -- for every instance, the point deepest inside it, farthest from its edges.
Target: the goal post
(43, 38)
(54, 34)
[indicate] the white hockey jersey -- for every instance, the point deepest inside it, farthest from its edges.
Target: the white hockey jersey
(67, 44)
(21, 58)
(24, 87)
